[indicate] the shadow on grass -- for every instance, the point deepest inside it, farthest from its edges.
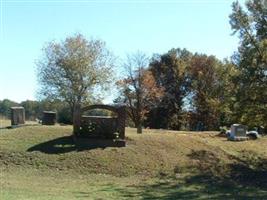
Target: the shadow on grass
(194, 187)
(61, 145)
(247, 169)
(245, 178)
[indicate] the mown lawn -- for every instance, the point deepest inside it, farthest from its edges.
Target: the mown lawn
(41, 162)
(4, 122)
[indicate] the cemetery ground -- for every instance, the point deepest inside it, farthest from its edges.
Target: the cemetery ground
(41, 162)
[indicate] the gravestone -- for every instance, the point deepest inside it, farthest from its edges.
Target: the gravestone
(99, 126)
(49, 118)
(17, 116)
(103, 131)
(238, 132)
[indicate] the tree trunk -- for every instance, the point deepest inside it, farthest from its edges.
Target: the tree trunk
(139, 128)
(76, 118)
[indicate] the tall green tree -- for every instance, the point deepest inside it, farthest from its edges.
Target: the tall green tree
(72, 69)
(251, 62)
(210, 92)
(171, 73)
(5, 105)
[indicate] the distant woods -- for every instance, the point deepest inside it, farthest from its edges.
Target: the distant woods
(201, 92)
(177, 90)
(184, 91)
(34, 110)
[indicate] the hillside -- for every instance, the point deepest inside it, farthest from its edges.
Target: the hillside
(43, 160)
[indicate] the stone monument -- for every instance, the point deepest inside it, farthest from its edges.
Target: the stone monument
(238, 132)
(49, 118)
(17, 116)
(103, 131)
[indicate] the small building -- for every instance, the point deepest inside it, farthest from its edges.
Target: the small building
(49, 118)
(17, 116)
(238, 132)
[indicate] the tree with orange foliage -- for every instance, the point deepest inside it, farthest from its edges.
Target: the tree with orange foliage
(139, 90)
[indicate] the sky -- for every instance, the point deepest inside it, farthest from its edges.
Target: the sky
(127, 26)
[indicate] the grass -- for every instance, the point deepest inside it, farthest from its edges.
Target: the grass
(4, 122)
(41, 162)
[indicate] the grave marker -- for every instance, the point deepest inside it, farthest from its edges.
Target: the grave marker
(49, 118)
(17, 116)
(238, 132)
(102, 131)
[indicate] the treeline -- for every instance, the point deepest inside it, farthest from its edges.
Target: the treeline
(196, 91)
(183, 91)
(178, 90)
(34, 109)
(191, 91)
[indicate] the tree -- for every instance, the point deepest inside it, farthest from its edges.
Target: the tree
(71, 70)
(139, 90)
(209, 92)
(32, 109)
(251, 62)
(5, 107)
(171, 73)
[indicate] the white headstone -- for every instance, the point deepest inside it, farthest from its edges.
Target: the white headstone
(238, 131)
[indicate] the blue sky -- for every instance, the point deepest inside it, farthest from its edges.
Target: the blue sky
(153, 26)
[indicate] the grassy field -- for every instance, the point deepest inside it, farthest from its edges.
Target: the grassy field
(4, 122)
(41, 162)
